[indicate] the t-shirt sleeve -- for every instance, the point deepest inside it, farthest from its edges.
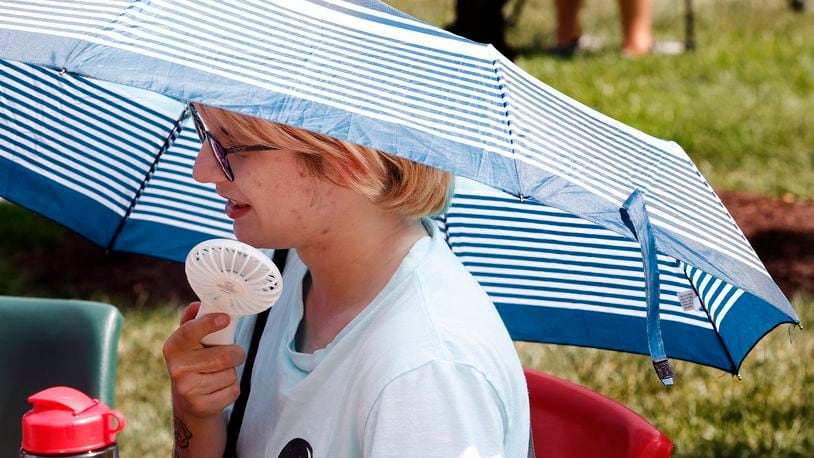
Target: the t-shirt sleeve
(442, 409)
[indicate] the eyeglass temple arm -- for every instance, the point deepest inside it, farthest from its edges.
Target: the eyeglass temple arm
(241, 149)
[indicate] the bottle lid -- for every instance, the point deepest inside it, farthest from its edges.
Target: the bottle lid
(65, 420)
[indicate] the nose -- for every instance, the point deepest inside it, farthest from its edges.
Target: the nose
(206, 168)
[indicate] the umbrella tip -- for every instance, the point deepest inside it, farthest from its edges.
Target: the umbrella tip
(665, 371)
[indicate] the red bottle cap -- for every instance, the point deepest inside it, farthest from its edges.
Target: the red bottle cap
(65, 420)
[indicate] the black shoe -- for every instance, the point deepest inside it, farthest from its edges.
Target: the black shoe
(563, 50)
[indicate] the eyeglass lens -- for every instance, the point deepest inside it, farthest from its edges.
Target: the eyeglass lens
(217, 149)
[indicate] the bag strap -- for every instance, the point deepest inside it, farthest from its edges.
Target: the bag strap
(236, 419)
(531, 443)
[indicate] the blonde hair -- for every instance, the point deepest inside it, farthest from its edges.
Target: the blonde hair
(409, 188)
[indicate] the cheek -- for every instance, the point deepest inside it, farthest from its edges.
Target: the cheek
(284, 189)
(259, 183)
(280, 197)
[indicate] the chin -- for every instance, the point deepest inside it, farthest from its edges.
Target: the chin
(254, 238)
(247, 237)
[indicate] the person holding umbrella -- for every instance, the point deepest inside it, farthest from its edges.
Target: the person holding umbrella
(382, 343)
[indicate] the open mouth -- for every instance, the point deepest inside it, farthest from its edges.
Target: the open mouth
(236, 209)
(236, 204)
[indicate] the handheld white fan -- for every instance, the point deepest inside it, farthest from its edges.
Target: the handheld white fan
(234, 278)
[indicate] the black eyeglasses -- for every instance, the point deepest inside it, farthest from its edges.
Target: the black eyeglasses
(221, 153)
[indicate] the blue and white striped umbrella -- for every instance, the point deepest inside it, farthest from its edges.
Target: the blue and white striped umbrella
(589, 232)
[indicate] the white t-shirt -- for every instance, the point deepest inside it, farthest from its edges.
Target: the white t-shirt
(426, 370)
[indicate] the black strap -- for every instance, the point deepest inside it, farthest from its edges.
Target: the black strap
(236, 419)
(531, 443)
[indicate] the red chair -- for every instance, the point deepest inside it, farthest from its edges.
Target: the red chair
(569, 420)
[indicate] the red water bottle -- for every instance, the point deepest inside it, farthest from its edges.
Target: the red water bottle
(66, 423)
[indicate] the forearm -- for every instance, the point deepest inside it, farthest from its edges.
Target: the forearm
(199, 437)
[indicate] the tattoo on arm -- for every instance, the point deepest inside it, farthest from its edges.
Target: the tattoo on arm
(182, 435)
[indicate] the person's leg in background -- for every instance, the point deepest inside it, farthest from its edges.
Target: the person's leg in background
(637, 32)
(568, 27)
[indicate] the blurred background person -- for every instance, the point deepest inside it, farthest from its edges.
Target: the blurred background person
(482, 21)
(637, 32)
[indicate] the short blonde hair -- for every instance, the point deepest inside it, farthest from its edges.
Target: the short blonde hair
(409, 188)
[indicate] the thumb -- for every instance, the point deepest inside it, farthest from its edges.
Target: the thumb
(190, 312)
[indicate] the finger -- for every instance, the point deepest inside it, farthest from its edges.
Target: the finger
(205, 361)
(213, 403)
(215, 359)
(188, 336)
(190, 312)
(205, 384)
(225, 396)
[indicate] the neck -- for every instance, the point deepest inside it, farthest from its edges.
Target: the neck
(349, 266)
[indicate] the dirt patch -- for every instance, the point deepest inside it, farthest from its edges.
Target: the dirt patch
(781, 232)
(78, 268)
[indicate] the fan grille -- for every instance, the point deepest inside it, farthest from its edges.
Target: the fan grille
(233, 277)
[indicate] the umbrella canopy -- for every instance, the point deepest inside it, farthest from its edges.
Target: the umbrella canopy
(589, 232)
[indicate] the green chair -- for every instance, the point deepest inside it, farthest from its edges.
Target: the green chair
(51, 342)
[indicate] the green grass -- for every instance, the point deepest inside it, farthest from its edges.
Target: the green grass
(143, 386)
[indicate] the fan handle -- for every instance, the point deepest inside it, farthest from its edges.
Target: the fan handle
(225, 336)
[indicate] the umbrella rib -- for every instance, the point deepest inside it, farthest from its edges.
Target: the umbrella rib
(714, 328)
(498, 68)
(168, 142)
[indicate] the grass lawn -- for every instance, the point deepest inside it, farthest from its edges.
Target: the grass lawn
(742, 106)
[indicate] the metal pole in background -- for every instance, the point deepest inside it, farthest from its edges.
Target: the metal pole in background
(689, 26)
